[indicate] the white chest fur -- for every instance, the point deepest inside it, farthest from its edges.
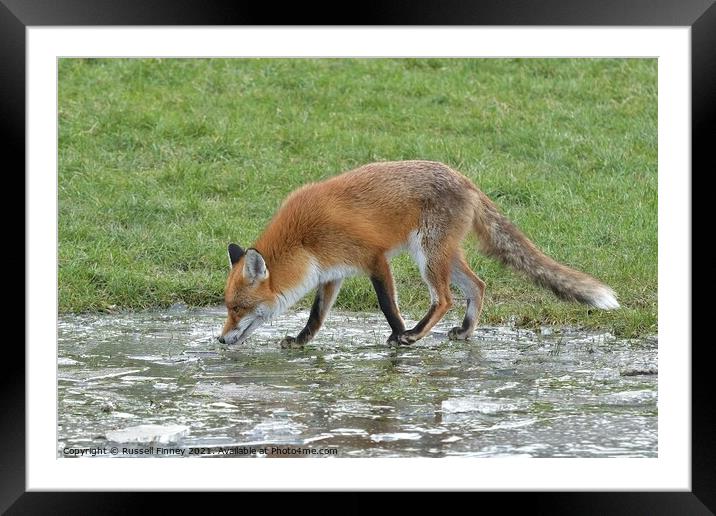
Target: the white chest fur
(315, 275)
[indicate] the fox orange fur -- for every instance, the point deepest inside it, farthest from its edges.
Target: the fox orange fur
(354, 222)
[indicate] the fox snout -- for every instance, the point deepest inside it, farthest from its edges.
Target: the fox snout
(224, 339)
(237, 333)
(228, 332)
(230, 335)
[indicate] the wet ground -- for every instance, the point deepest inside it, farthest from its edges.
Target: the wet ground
(159, 382)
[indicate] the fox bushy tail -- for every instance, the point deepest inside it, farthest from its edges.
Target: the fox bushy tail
(499, 238)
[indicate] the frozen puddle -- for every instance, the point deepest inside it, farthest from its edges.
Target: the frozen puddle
(148, 434)
(160, 380)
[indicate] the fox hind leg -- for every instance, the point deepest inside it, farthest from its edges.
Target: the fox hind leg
(474, 290)
(326, 294)
(436, 274)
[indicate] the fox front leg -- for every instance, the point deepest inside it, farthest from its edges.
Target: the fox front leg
(326, 294)
(384, 286)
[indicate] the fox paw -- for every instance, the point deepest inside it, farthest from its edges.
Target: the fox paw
(393, 339)
(406, 338)
(457, 333)
(290, 343)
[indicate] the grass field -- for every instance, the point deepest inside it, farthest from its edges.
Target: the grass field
(163, 162)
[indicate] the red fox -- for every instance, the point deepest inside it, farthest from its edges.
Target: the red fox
(353, 223)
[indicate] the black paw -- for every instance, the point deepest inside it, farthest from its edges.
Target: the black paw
(457, 333)
(291, 343)
(407, 338)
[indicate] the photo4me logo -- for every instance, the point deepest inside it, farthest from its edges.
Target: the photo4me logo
(158, 451)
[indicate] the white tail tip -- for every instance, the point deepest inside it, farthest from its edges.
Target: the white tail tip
(605, 300)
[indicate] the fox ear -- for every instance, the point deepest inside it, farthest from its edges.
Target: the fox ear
(235, 253)
(255, 266)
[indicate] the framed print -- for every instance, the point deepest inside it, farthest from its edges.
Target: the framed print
(342, 167)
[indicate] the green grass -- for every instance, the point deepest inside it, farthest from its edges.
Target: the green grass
(163, 162)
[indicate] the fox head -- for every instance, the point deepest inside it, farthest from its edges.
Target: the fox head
(248, 295)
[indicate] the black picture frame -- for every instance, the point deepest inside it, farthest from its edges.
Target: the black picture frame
(699, 15)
